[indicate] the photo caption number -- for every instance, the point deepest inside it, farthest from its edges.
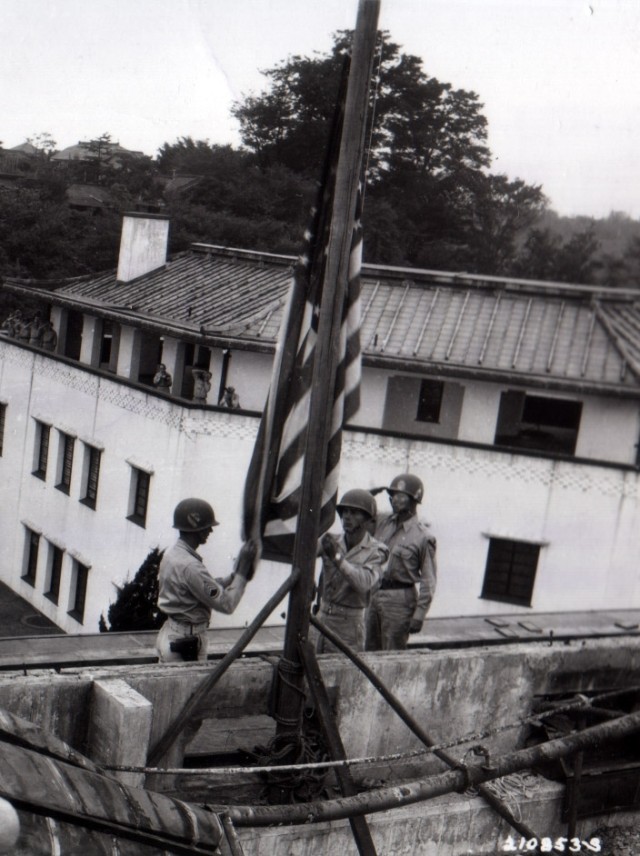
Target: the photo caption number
(549, 845)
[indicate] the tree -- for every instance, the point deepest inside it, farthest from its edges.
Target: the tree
(430, 200)
(546, 256)
(135, 607)
(44, 144)
(419, 122)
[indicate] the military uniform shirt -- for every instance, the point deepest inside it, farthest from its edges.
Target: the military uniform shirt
(187, 591)
(358, 572)
(412, 554)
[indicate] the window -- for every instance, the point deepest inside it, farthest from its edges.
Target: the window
(65, 464)
(31, 556)
(430, 401)
(538, 422)
(54, 573)
(140, 481)
(427, 407)
(43, 432)
(511, 571)
(79, 579)
(3, 411)
(91, 475)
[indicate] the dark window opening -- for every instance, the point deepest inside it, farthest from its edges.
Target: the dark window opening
(430, 401)
(3, 411)
(511, 571)
(140, 496)
(187, 378)
(55, 573)
(43, 433)
(92, 477)
(80, 592)
(106, 344)
(539, 423)
(66, 466)
(31, 558)
(73, 338)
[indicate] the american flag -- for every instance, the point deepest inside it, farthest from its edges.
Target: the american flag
(273, 485)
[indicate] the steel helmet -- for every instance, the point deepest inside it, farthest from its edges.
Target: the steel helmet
(193, 515)
(409, 484)
(360, 499)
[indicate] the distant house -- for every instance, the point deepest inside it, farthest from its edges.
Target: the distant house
(88, 197)
(107, 152)
(517, 402)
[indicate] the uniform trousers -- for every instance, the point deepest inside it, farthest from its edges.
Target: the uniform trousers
(172, 630)
(346, 622)
(388, 619)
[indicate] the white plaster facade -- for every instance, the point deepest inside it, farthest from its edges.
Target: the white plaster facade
(584, 515)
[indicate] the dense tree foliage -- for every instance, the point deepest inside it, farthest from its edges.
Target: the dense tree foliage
(135, 607)
(431, 198)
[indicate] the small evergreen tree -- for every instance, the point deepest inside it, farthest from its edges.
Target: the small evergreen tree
(136, 606)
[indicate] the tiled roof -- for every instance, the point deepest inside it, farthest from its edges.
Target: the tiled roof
(458, 323)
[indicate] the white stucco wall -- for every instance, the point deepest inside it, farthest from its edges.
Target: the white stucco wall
(587, 516)
(250, 374)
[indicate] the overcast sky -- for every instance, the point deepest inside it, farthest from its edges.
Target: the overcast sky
(558, 78)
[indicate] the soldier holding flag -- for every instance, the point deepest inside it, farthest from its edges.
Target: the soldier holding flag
(351, 569)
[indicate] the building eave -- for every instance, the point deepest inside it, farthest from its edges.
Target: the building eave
(192, 333)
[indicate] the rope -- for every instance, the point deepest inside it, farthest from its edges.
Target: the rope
(534, 719)
(509, 789)
(373, 118)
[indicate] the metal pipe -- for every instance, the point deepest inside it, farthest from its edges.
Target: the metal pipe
(494, 801)
(420, 790)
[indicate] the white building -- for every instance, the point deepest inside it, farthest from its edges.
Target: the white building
(516, 402)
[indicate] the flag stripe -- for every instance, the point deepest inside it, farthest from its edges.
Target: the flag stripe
(274, 479)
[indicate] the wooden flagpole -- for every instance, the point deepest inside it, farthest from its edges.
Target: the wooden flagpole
(289, 690)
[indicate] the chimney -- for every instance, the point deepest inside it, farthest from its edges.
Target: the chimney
(143, 245)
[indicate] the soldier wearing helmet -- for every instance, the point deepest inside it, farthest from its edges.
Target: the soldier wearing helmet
(399, 607)
(351, 568)
(187, 592)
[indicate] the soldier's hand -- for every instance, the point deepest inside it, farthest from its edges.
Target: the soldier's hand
(415, 625)
(329, 546)
(374, 491)
(245, 564)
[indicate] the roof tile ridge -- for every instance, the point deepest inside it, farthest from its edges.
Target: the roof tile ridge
(611, 332)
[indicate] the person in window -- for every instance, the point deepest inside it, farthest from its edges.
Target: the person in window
(408, 584)
(230, 399)
(36, 329)
(201, 384)
(351, 568)
(162, 378)
(187, 593)
(49, 336)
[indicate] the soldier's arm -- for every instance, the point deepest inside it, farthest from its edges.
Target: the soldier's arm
(427, 585)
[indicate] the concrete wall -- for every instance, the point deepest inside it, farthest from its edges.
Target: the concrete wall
(471, 696)
(585, 517)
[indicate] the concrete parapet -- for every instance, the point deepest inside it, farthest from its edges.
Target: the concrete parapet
(119, 727)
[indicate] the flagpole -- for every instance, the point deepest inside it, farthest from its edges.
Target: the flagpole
(289, 693)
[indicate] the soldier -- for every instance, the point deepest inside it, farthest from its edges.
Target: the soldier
(162, 379)
(351, 568)
(49, 337)
(201, 384)
(230, 399)
(409, 581)
(187, 592)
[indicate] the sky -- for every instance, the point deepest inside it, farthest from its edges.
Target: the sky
(557, 78)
